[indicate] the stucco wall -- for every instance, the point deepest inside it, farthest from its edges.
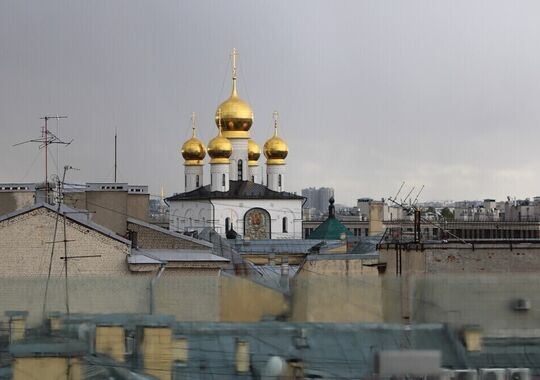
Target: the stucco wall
(110, 209)
(337, 291)
(137, 206)
(246, 301)
(464, 258)
(200, 214)
(13, 200)
(485, 300)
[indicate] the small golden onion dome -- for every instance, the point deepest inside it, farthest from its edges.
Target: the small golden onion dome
(219, 149)
(193, 149)
(254, 152)
(193, 152)
(236, 114)
(275, 150)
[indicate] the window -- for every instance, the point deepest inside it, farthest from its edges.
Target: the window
(267, 182)
(197, 181)
(185, 181)
(252, 178)
(240, 171)
(279, 180)
(223, 179)
(284, 222)
(227, 224)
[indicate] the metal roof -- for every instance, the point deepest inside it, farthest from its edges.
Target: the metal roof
(237, 190)
(508, 353)
(158, 256)
(366, 245)
(330, 229)
(336, 350)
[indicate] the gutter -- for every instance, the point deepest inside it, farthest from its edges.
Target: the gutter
(153, 284)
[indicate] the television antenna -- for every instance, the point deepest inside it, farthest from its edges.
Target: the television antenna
(47, 138)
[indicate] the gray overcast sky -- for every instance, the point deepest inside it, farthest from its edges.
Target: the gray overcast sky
(370, 93)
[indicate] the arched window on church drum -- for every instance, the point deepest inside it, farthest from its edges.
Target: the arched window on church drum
(223, 179)
(227, 224)
(284, 222)
(240, 170)
(197, 181)
(279, 181)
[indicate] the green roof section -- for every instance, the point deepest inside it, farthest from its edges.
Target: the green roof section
(330, 229)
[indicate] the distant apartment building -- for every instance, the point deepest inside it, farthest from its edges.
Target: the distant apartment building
(317, 198)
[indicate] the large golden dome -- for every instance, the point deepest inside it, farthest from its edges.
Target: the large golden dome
(236, 114)
(193, 149)
(219, 149)
(254, 152)
(275, 149)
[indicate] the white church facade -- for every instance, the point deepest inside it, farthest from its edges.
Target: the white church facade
(237, 201)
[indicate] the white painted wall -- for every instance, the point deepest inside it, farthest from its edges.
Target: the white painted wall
(254, 174)
(191, 173)
(240, 152)
(273, 172)
(217, 183)
(195, 215)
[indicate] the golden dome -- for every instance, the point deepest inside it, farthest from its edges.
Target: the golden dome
(254, 152)
(219, 149)
(193, 149)
(275, 149)
(236, 114)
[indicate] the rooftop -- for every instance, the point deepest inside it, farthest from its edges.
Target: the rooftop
(237, 190)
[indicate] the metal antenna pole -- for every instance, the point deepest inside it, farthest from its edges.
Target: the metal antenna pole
(47, 142)
(47, 138)
(115, 154)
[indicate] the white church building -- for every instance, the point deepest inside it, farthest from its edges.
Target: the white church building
(237, 201)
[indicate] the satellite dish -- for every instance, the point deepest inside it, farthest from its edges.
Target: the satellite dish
(275, 367)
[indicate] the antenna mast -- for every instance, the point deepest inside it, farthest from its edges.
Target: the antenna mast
(47, 138)
(115, 153)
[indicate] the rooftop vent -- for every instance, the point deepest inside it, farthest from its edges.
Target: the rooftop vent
(521, 304)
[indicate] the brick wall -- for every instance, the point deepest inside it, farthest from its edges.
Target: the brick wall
(150, 238)
(26, 244)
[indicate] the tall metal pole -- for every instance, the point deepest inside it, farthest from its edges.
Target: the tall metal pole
(115, 150)
(46, 139)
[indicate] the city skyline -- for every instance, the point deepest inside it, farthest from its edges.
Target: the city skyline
(369, 94)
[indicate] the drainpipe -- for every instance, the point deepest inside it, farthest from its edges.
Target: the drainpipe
(213, 214)
(152, 284)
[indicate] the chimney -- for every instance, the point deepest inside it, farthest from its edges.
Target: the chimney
(17, 324)
(242, 356)
(284, 279)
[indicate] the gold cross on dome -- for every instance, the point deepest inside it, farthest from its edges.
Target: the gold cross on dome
(234, 54)
(275, 115)
(193, 123)
(219, 119)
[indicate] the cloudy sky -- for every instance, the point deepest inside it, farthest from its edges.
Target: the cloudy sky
(370, 93)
